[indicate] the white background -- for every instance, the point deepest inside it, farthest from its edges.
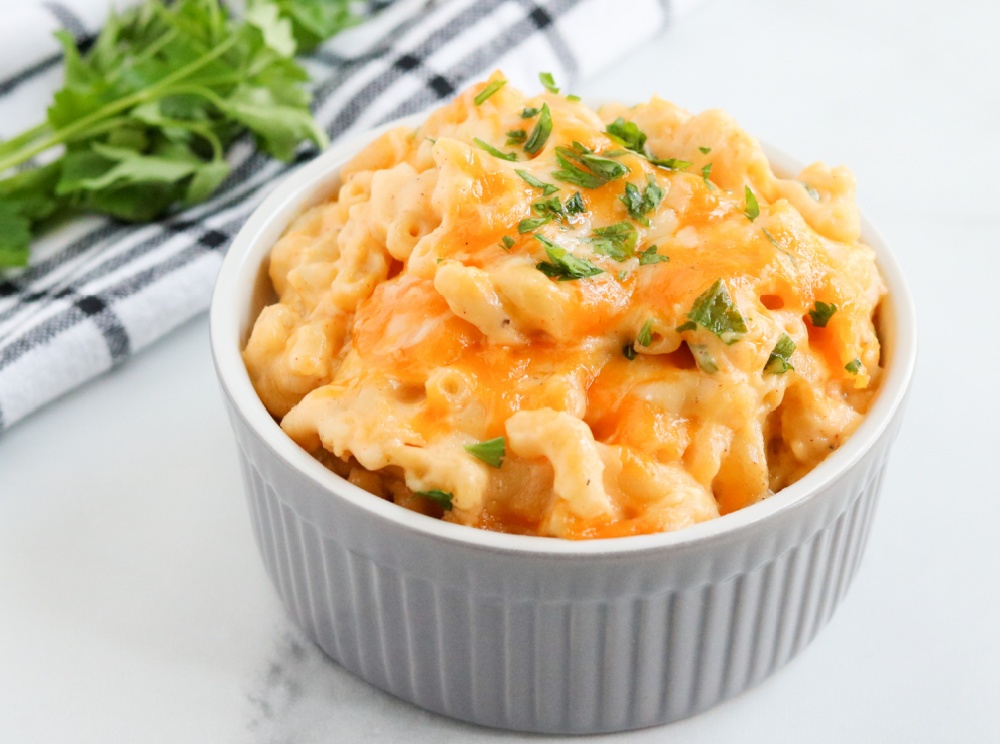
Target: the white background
(134, 607)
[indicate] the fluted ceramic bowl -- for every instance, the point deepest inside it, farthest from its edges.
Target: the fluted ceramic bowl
(533, 633)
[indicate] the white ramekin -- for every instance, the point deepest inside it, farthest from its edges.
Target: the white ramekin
(541, 634)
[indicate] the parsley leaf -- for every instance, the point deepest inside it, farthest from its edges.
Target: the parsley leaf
(617, 240)
(779, 361)
(15, 236)
(771, 238)
(705, 150)
(547, 188)
(528, 113)
(650, 256)
(493, 151)
(506, 242)
(640, 204)
(853, 366)
(627, 134)
(564, 265)
(488, 91)
(629, 351)
(541, 132)
(532, 223)
(549, 83)
(645, 335)
(441, 498)
(599, 171)
(492, 451)
(821, 313)
(752, 210)
(515, 137)
(714, 310)
(147, 113)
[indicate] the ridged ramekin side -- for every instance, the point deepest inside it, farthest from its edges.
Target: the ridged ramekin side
(557, 643)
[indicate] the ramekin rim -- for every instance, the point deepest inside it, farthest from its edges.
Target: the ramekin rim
(291, 195)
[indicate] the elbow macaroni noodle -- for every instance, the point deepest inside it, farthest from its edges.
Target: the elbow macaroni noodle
(422, 311)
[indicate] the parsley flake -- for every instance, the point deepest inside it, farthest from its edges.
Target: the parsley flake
(493, 151)
(547, 188)
(811, 191)
(640, 204)
(714, 310)
(516, 137)
(771, 238)
(629, 351)
(752, 210)
(548, 81)
(705, 150)
(706, 171)
(599, 171)
(853, 366)
(574, 205)
(670, 163)
(528, 113)
(780, 360)
(821, 313)
(573, 98)
(645, 336)
(506, 242)
(441, 498)
(532, 223)
(616, 241)
(541, 132)
(488, 91)
(492, 451)
(627, 134)
(704, 358)
(650, 256)
(562, 264)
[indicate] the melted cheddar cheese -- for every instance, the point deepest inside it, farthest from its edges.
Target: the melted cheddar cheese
(678, 376)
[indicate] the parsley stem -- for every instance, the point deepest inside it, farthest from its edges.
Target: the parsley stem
(154, 91)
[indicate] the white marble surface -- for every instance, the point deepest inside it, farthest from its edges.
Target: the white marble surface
(133, 606)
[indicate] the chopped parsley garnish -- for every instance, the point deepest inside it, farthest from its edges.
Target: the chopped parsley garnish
(671, 163)
(704, 358)
(527, 112)
(640, 204)
(853, 366)
(488, 91)
(575, 205)
(780, 360)
(549, 83)
(706, 172)
(506, 242)
(811, 191)
(599, 171)
(705, 150)
(622, 275)
(541, 132)
(627, 134)
(771, 238)
(645, 336)
(441, 498)
(617, 240)
(650, 256)
(492, 451)
(516, 137)
(752, 210)
(714, 310)
(493, 151)
(573, 98)
(629, 351)
(564, 266)
(821, 313)
(532, 223)
(547, 188)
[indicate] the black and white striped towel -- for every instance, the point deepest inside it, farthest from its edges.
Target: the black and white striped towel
(98, 291)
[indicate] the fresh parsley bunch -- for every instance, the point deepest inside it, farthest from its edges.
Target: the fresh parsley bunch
(146, 115)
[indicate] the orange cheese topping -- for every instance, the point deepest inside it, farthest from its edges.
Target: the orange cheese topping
(632, 384)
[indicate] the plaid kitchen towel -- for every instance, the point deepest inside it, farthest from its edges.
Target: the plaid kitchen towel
(97, 291)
